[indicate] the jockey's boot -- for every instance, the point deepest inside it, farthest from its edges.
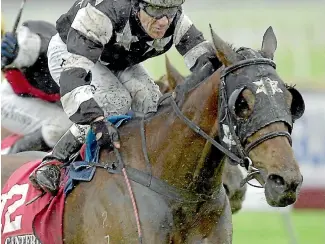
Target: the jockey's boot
(47, 176)
(30, 142)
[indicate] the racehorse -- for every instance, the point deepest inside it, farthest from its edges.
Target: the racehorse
(232, 175)
(189, 204)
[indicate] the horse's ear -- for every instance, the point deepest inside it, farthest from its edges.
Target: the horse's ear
(269, 43)
(161, 82)
(224, 52)
(174, 78)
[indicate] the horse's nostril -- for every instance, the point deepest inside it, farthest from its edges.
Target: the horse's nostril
(226, 188)
(294, 185)
(277, 179)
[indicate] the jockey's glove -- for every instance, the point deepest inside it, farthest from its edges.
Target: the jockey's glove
(106, 133)
(9, 48)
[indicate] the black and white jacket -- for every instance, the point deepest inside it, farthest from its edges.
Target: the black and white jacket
(33, 40)
(109, 31)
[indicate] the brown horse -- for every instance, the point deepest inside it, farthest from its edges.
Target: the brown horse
(232, 175)
(190, 206)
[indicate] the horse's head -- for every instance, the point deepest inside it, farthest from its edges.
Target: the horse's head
(257, 111)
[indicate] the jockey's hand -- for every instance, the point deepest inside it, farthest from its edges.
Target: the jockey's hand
(106, 133)
(9, 48)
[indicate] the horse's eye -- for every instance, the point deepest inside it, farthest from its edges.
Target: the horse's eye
(244, 104)
(241, 103)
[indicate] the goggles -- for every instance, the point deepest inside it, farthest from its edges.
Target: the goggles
(158, 12)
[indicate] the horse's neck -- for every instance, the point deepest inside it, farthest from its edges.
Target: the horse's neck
(177, 153)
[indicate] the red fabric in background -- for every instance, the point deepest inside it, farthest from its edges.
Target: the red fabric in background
(9, 141)
(20, 85)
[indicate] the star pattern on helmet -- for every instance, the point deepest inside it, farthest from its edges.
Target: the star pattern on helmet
(125, 38)
(227, 137)
(273, 84)
(158, 44)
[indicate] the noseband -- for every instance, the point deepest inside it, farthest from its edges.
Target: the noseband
(243, 159)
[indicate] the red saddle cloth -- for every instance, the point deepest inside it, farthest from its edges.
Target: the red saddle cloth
(8, 142)
(38, 222)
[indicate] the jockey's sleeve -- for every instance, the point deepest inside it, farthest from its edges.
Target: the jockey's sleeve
(90, 30)
(190, 43)
(29, 44)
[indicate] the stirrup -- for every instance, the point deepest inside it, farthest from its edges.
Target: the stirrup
(47, 176)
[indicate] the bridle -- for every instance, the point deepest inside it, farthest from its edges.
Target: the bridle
(243, 159)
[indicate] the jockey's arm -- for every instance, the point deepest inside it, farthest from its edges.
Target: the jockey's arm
(190, 43)
(28, 47)
(89, 32)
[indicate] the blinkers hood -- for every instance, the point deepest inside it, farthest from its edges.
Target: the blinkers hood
(270, 104)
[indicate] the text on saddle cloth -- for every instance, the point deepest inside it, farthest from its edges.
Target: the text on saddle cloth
(35, 222)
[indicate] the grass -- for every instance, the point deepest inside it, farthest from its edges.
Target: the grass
(270, 227)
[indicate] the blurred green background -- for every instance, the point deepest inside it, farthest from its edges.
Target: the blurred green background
(298, 25)
(300, 57)
(299, 226)
(299, 28)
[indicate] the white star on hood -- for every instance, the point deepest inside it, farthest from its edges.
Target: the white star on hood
(261, 86)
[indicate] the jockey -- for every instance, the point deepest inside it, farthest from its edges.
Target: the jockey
(29, 95)
(96, 59)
